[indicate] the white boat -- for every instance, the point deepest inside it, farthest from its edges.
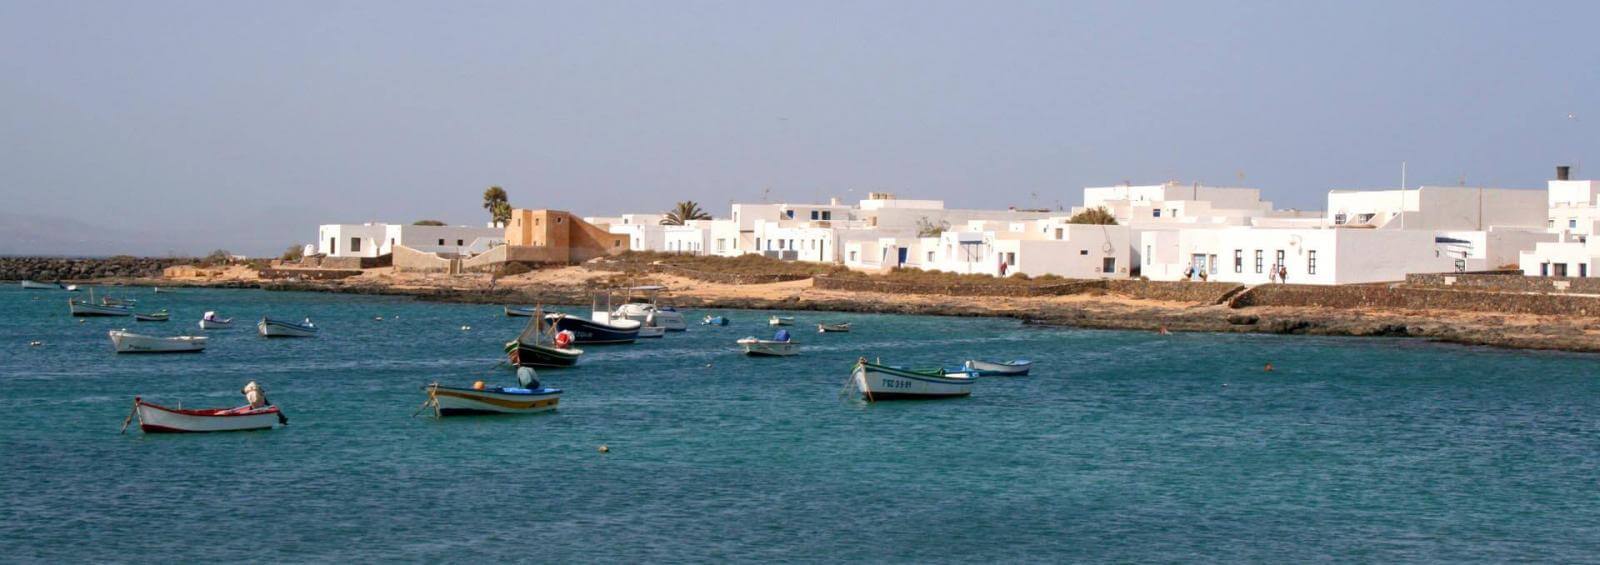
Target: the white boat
(646, 332)
(33, 285)
(269, 327)
(882, 382)
(160, 419)
(781, 345)
(85, 308)
(833, 328)
(648, 310)
(128, 342)
(781, 321)
(211, 321)
(1015, 368)
(72, 288)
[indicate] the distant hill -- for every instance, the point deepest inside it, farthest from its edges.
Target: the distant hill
(32, 234)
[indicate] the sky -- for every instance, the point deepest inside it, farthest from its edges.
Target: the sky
(161, 128)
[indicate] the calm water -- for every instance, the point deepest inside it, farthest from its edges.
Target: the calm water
(1121, 446)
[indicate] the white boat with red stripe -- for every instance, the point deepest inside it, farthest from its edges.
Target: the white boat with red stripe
(154, 418)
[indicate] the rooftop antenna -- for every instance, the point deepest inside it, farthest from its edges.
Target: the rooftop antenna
(764, 193)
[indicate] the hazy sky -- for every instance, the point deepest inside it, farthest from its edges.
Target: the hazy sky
(154, 127)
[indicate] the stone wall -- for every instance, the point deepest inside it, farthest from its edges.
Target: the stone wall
(57, 268)
(1506, 282)
(1405, 298)
(863, 284)
(1175, 291)
(325, 262)
(307, 274)
(707, 276)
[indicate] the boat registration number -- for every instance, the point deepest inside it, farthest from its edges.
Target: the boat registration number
(896, 383)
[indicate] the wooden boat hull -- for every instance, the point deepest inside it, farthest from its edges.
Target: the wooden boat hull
(880, 382)
(137, 317)
(160, 419)
(833, 328)
(268, 327)
(127, 342)
(85, 309)
(519, 312)
(590, 332)
(1016, 368)
(780, 321)
(462, 401)
(523, 355)
(769, 348)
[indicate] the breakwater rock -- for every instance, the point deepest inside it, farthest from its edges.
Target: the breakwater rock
(45, 269)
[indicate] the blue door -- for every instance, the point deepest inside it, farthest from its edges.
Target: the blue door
(903, 256)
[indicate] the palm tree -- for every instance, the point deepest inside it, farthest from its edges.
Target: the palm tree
(683, 212)
(1093, 216)
(494, 200)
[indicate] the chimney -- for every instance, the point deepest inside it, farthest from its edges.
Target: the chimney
(1563, 172)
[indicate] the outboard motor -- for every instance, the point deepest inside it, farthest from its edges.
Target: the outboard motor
(527, 378)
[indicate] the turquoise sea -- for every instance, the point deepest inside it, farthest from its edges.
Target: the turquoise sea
(1128, 447)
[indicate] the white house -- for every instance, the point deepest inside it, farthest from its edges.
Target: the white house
(374, 239)
(1573, 218)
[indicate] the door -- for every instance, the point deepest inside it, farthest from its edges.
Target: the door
(1197, 265)
(903, 252)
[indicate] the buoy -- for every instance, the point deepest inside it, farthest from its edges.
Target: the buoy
(604, 449)
(478, 385)
(1268, 368)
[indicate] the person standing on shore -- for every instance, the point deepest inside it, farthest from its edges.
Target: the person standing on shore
(1272, 273)
(1283, 274)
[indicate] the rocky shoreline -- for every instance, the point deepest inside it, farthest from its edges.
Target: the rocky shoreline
(1565, 334)
(50, 269)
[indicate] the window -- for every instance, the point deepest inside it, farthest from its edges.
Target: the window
(930, 256)
(789, 213)
(852, 255)
(333, 246)
(1544, 269)
(722, 245)
(1583, 269)
(1258, 261)
(827, 215)
(441, 242)
(1083, 251)
(558, 219)
(616, 243)
(1108, 265)
(758, 244)
(355, 245)
(1558, 269)
(1339, 218)
(791, 245)
(1156, 213)
(1278, 262)
(1059, 233)
(780, 244)
(1572, 222)
(1212, 260)
(460, 243)
(1238, 260)
(1311, 262)
(815, 215)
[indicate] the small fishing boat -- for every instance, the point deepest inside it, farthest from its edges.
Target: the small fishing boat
(1015, 368)
(34, 285)
(84, 308)
(530, 398)
(591, 332)
(154, 418)
(781, 321)
(833, 328)
(518, 312)
(128, 342)
(537, 347)
(211, 321)
(714, 321)
(781, 345)
(114, 301)
(157, 316)
(647, 309)
(269, 327)
(72, 288)
(883, 382)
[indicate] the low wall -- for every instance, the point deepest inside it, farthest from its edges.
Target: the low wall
(324, 262)
(1506, 282)
(46, 269)
(307, 274)
(860, 284)
(1175, 291)
(1380, 297)
(706, 276)
(411, 260)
